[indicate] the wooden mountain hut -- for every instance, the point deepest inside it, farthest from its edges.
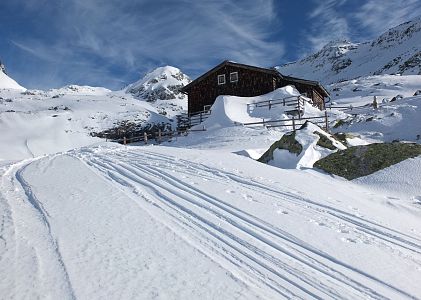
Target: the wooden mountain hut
(230, 78)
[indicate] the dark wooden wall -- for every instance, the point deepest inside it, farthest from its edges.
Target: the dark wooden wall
(250, 83)
(305, 89)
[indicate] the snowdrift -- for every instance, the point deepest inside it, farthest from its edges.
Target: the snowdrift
(232, 110)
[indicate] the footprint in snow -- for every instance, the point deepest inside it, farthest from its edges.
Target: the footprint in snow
(247, 197)
(230, 191)
(349, 240)
(282, 212)
(417, 199)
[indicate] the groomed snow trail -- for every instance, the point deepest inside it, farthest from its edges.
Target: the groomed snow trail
(263, 255)
(166, 223)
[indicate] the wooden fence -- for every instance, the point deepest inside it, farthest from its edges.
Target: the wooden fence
(154, 137)
(295, 102)
(293, 122)
(186, 121)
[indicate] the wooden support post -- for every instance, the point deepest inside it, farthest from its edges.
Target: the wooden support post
(124, 140)
(326, 121)
(283, 101)
(145, 137)
(293, 123)
(159, 136)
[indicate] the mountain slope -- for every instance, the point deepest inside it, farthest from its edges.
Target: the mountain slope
(6, 82)
(398, 50)
(162, 87)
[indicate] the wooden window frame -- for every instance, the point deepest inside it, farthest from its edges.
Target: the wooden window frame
(236, 74)
(220, 77)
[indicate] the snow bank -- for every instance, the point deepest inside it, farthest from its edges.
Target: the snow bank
(400, 180)
(232, 110)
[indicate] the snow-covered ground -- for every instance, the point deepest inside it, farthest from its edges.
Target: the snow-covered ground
(392, 120)
(196, 217)
(163, 222)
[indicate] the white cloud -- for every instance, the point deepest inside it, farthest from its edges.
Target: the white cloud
(138, 34)
(376, 16)
(327, 22)
(358, 20)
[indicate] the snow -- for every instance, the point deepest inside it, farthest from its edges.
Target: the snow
(397, 51)
(161, 87)
(401, 181)
(35, 123)
(398, 120)
(197, 216)
(8, 83)
(307, 137)
(164, 222)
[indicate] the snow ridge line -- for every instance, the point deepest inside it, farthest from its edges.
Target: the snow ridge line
(38, 206)
(147, 179)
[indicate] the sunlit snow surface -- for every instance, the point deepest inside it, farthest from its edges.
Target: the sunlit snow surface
(192, 218)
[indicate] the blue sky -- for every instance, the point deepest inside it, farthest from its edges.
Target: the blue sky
(51, 43)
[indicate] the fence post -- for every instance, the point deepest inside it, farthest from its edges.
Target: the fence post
(283, 100)
(159, 135)
(145, 137)
(270, 104)
(293, 123)
(124, 140)
(200, 118)
(326, 122)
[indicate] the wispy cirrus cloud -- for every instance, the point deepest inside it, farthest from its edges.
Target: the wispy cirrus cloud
(133, 36)
(358, 19)
(328, 23)
(376, 16)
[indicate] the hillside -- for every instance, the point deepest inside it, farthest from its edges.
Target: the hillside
(161, 87)
(397, 51)
(6, 82)
(229, 210)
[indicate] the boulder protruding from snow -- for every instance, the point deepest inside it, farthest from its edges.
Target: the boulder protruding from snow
(302, 148)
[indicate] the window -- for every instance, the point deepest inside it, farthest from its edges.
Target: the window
(221, 79)
(234, 77)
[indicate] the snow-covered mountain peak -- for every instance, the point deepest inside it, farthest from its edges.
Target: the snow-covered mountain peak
(397, 51)
(399, 34)
(163, 83)
(2, 67)
(335, 49)
(6, 82)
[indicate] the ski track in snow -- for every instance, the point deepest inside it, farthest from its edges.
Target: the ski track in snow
(264, 255)
(43, 251)
(271, 261)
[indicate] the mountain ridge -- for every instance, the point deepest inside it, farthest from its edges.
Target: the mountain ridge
(396, 51)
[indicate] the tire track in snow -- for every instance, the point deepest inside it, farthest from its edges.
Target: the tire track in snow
(112, 165)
